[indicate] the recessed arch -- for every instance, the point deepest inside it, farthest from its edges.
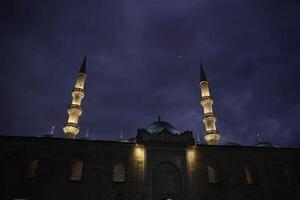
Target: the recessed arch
(166, 182)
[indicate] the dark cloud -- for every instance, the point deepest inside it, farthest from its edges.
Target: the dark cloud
(250, 50)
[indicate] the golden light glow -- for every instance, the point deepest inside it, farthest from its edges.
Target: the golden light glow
(206, 100)
(77, 99)
(209, 119)
(212, 138)
(73, 119)
(210, 125)
(139, 152)
(191, 155)
(80, 81)
(70, 130)
(74, 109)
(204, 89)
(207, 108)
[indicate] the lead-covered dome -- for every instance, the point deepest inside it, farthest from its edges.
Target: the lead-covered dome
(158, 126)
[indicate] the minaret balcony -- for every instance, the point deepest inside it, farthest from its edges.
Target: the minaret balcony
(206, 100)
(205, 97)
(75, 109)
(71, 128)
(78, 92)
(211, 132)
(72, 124)
(72, 106)
(209, 116)
(212, 137)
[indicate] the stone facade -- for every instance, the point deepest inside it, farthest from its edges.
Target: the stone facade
(155, 167)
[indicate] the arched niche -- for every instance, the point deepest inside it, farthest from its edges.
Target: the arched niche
(166, 182)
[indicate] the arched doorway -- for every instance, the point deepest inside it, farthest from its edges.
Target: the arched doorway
(166, 182)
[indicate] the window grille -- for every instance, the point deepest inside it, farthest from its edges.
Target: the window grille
(76, 170)
(211, 172)
(248, 176)
(118, 172)
(32, 168)
(251, 175)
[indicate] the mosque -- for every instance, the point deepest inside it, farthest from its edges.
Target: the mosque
(159, 163)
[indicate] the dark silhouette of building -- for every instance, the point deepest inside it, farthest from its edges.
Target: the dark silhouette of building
(159, 163)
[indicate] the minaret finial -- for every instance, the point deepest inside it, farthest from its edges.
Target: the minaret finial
(158, 118)
(202, 73)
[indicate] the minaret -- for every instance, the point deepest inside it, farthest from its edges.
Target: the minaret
(71, 128)
(209, 118)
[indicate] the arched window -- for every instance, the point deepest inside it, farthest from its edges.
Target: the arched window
(118, 175)
(213, 174)
(32, 168)
(76, 170)
(251, 175)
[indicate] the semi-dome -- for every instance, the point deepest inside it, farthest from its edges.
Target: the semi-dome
(158, 126)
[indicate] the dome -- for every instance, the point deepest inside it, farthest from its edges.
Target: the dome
(158, 126)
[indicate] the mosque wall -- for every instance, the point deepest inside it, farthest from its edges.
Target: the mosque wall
(53, 168)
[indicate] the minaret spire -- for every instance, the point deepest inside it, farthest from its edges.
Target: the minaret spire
(212, 136)
(82, 69)
(71, 128)
(202, 73)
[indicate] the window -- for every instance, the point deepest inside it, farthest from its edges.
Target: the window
(291, 174)
(251, 175)
(76, 170)
(32, 168)
(213, 175)
(118, 172)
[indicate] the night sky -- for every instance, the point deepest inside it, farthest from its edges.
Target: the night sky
(143, 61)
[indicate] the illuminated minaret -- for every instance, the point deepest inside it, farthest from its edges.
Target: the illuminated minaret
(209, 118)
(71, 128)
